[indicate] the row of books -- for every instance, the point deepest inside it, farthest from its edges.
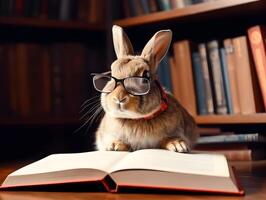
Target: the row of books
(220, 77)
(142, 7)
(83, 10)
(45, 80)
(235, 146)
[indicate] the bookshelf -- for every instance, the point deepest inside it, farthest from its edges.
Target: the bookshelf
(231, 119)
(202, 15)
(50, 24)
(196, 12)
(49, 41)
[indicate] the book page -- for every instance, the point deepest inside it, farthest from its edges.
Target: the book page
(100, 160)
(163, 160)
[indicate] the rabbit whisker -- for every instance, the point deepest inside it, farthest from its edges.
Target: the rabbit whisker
(86, 106)
(90, 110)
(88, 100)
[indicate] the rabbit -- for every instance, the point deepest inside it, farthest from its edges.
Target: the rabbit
(153, 120)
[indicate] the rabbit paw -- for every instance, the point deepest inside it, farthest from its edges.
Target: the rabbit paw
(177, 145)
(118, 146)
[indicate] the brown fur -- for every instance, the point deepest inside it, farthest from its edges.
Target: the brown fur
(123, 128)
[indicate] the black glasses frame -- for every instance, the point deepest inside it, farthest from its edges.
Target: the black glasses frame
(105, 74)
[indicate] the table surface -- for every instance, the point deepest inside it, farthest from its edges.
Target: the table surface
(252, 177)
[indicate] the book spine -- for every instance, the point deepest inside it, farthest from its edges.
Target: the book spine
(47, 80)
(226, 81)
(23, 84)
(19, 7)
(56, 76)
(218, 85)
(153, 6)
(178, 3)
(164, 73)
(132, 8)
(199, 84)
(206, 77)
(183, 60)
(244, 80)
(13, 79)
(65, 10)
(174, 79)
(164, 4)
(230, 60)
(256, 37)
(145, 6)
(53, 9)
(249, 137)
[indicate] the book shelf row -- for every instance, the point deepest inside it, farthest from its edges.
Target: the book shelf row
(219, 76)
(65, 10)
(45, 80)
(134, 8)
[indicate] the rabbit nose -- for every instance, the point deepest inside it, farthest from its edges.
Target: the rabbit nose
(121, 100)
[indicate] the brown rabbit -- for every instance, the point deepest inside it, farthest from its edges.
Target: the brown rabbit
(139, 114)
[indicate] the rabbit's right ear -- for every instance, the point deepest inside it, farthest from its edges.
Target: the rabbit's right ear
(122, 44)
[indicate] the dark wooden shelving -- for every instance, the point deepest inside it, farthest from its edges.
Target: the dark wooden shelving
(50, 24)
(258, 118)
(218, 8)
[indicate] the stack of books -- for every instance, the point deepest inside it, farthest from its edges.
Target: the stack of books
(142, 7)
(221, 76)
(235, 146)
(45, 80)
(80, 10)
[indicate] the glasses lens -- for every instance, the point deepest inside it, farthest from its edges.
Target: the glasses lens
(104, 84)
(137, 85)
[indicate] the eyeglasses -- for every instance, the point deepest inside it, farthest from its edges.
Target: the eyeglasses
(135, 85)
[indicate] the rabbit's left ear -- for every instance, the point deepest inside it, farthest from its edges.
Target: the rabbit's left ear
(157, 47)
(122, 44)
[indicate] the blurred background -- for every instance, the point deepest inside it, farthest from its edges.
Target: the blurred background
(48, 48)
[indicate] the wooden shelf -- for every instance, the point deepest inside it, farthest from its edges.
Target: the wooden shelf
(224, 6)
(50, 24)
(231, 119)
(39, 121)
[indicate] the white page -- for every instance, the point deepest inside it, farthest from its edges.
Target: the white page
(163, 160)
(101, 160)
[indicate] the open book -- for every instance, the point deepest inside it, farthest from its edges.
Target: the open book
(150, 168)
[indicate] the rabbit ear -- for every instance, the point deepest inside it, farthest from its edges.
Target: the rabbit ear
(121, 42)
(157, 47)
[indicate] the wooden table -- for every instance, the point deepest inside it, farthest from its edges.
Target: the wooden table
(252, 176)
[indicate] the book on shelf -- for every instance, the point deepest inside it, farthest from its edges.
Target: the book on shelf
(164, 73)
(224, 68)
(174, 79)
(22, 82)
(134, 8)
(206, 77)
(199, 84)
(235, 147)
(220, 103)
(231, 66)
(182, 57)
(79, 10)
(233, 138)
(257, 36)
(243, 78)
(150, 169)
(45, 80)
